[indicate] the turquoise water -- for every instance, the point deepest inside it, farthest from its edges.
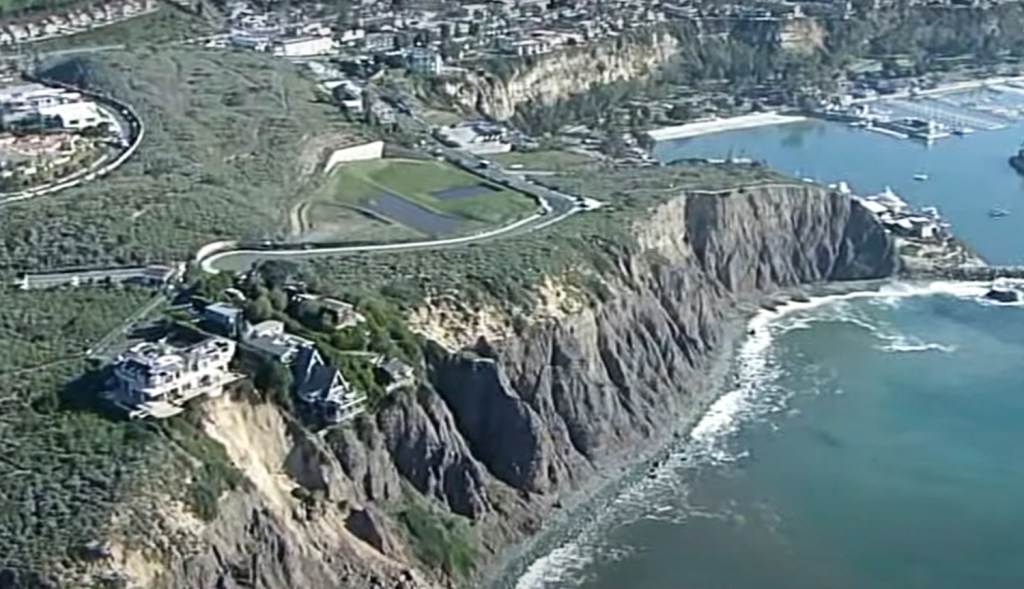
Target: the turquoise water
(869, 441)
(968, 175)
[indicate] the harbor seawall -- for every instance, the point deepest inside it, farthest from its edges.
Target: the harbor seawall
(966, 273)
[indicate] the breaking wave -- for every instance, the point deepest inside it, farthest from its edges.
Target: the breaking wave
(663, 495)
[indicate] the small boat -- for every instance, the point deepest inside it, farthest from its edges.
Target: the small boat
(920, 177)
(997, 212)
(961, 131)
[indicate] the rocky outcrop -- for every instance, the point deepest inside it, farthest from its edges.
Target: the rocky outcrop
(559, 75)
(795, 34)
(504, 430)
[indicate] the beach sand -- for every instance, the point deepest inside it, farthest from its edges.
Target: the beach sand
(748, 121)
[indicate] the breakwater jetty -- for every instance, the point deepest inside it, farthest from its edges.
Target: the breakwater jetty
(971, 273)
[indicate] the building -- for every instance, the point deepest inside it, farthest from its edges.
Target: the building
(348, 96)
(382, 41)
(155, 275)
(270, 340)
(74, 115)
(156, 379)
(304, 47)
(479, 138)
(322, 388)
(223, 318)
(340, 314)
(393, 373)
(249, 40)
(424, 61)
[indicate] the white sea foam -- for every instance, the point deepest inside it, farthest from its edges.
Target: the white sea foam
(753, 395)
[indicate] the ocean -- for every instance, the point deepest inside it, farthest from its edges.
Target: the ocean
(868, 440)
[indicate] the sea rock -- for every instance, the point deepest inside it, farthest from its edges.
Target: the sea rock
(1003, 295)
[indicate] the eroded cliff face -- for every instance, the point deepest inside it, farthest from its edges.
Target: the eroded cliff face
(503, 431)
(560, 75)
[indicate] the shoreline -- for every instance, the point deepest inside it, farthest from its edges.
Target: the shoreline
(581, 507)
(747, 121)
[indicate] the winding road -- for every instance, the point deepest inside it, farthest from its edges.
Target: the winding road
(555, 206)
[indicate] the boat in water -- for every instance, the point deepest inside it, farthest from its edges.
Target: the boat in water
(998, 212)
(961, 131)
(920, 177)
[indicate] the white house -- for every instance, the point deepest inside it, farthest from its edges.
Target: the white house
(156, 378)
(74, 115)
(305, 46)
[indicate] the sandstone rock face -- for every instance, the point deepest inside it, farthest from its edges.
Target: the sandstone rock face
(560, 75)
(500, 433)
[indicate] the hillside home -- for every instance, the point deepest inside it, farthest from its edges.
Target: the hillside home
(319, 387)
(323, 389)
(156, 379)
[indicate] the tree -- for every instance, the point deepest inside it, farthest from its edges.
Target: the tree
(350, 338)
(278, 299)
(681, 112)
(275, 381)
(259, 309)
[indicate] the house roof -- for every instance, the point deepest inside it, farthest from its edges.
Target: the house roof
(223, 310)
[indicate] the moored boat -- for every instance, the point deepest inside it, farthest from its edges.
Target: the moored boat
(998, 212)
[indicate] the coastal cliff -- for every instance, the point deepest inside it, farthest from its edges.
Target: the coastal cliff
(549, 78)
(445, 476)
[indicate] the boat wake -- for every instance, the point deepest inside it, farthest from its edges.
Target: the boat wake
(663, 495)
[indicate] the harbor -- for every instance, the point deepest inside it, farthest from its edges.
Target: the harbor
(928, 115)
(966, 177)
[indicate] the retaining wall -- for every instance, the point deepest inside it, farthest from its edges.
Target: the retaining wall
(373, 150)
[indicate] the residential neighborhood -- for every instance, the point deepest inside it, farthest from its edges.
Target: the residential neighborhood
(50, 134)
(76, 20)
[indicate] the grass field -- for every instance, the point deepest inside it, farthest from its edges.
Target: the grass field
(426, 196)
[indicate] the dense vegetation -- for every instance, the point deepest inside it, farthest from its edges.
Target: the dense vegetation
(439, 539)
(71, 470)
(231, 141)
(352, 349)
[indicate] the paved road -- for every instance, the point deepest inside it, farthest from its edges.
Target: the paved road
(555, 207)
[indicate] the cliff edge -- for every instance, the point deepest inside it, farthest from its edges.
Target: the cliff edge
(435, 487)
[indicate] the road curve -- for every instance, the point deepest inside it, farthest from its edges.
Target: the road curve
(240, 259)
(555, 207)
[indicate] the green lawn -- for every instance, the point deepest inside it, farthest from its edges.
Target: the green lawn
(358, 182)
